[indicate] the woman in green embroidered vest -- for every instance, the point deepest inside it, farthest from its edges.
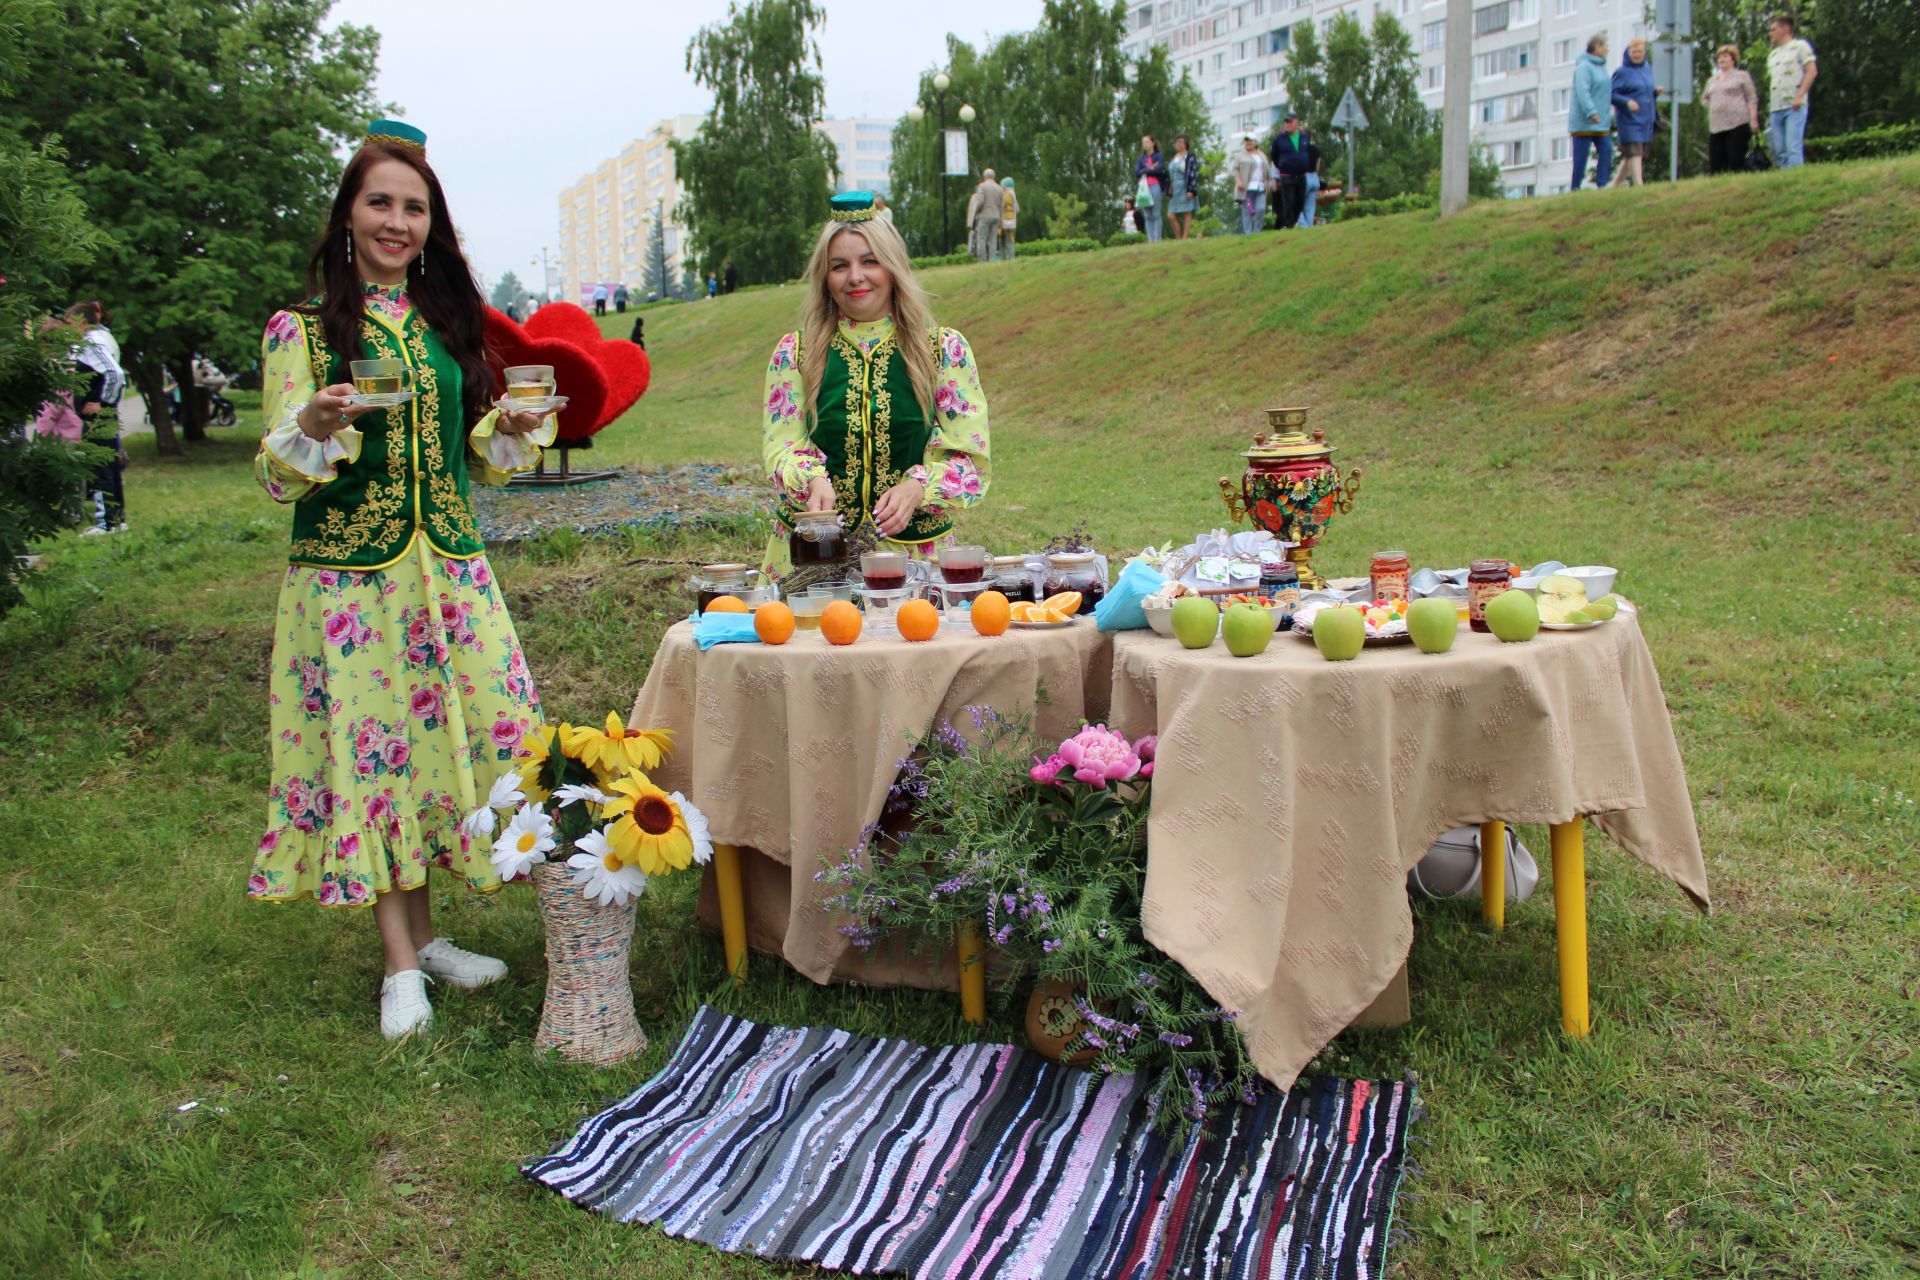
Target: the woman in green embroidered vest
(398, 688)
(872, 410)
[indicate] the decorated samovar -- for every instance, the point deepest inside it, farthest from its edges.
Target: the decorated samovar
(1291, 488)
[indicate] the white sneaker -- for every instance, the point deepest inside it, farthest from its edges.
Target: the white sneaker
(403, 1004)
(459, 967)
(93, 531)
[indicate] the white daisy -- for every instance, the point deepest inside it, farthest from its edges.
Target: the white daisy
(506, 793)
(527, 840)
(573, 791)
(697, 828)
(602, 877)
(479, 824)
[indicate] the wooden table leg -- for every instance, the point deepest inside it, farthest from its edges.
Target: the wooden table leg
(1493, 874)
(733, 907)
(973, 972)
(1570, 922)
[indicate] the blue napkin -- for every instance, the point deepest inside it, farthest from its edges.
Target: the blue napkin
(1120, 610)
(710, 629)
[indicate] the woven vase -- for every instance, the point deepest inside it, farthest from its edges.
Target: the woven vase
(588, 1015)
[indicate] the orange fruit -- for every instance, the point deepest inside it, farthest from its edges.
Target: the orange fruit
(727, 604)
(918, 620)
(1024, 611)
(1067, 602)
(991, 613)
(773, 623)
(840, 623)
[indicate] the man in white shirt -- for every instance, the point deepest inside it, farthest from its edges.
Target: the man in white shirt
(1791, 69)
(986, 211)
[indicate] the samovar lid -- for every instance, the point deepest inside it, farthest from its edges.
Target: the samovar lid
(1289, 444)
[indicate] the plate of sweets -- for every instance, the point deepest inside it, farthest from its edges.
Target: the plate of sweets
(1386, 621)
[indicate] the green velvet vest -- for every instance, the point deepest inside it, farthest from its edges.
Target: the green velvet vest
(411, 475)
(869, 425)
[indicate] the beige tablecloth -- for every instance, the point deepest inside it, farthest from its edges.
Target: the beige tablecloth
(789, 750)
(1291, 794)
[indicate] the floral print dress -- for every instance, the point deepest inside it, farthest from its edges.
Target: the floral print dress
(955, 471)
(397, 694)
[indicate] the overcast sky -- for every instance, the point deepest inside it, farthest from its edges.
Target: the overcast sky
(519, 98)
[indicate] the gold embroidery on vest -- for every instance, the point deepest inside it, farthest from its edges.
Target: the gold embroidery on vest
(884, 476)
(376, 519)
(846, 488)
(450, 514)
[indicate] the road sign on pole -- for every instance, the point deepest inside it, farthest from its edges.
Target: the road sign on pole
(1349, 116)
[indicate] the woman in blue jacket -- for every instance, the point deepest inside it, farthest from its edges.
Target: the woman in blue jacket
(1589, 121)
(1633, 112)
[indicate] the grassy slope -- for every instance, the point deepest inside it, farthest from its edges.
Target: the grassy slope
(1713, 387)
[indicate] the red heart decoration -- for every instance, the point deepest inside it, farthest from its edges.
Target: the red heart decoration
(601, 377)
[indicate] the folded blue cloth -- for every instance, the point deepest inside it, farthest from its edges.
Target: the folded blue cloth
(710, 629)
(1120, 610)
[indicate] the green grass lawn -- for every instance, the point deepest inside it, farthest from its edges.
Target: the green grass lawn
(1713, 387)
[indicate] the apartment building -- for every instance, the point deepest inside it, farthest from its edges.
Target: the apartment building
(865, 147)
(606, 218)
(1523, 58)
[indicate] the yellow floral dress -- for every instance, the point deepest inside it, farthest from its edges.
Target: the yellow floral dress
(398, 693)
(955, 470)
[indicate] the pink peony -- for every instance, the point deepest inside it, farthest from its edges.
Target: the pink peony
(256, 885)
(328, 892)
(364, 766)
(506, 733)
(481, 574)
(1145, 748)
(329, 578)
(338, 628)
(325, 801)
(395, 753)
(269, 842)
(380, 806)
(368, 737)
(1048, 771)
(356, 891)
(349, 846)
(426, 703)
(299, 796)
(1097, 755)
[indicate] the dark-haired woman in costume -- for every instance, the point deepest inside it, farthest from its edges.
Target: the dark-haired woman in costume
(398, 688)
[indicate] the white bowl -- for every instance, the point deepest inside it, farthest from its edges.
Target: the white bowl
(1596, 578)
(1160, 618)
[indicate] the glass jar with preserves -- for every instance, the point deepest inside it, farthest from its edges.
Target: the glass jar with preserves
(1389, 574)
(1077, 571)
(1280, 582)
(1012, 579)
(1487, 579)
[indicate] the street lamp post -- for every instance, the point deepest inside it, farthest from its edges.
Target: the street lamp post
(916, 113)
(544, 262)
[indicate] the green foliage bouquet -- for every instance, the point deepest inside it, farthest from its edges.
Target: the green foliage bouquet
(1046, 853)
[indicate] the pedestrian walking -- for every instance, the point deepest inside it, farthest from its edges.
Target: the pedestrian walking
(985, 211)
(1733, 113)
(600, 299)
(713, 286)
(1009, 219)
(1587, 121)
(96, 354)
(1252, 175)
(1183, 182)
(1290, 160)
(1150, 186)
(1635, 101)
(1310, 209)
(1791, 69)
(729, 276)
(620, 299)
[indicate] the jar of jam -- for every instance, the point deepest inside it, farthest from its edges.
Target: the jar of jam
(1077, 571)
(1280, 582)
(1487, 579)
(817, 539)
(1389, 573)
(1012, 579)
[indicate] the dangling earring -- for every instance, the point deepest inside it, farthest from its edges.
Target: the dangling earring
(423, 261)
(347, 235)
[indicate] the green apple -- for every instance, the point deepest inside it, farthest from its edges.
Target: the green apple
(1560, 596)
(1195, 621)
(1247, 629)
(1433, 623)
(1339, 632)
(1579, 617)
(1603, 608)
(1513, 616)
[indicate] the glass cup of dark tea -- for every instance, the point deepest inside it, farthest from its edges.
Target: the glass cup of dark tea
(884, 570)
(962, 565)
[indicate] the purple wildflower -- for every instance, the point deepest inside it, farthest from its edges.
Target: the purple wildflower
(1176, 1039)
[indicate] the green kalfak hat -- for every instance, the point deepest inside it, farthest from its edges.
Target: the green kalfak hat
(396, 131)
(853, 206)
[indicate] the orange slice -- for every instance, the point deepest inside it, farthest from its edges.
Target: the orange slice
(1023, 611)
(1053, 615)
(1067, 602)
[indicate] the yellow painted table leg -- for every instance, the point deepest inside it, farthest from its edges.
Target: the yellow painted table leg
(973, 972)
(1570, 922)
(1493, 874)
(733, 907)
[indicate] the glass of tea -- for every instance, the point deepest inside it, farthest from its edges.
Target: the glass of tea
(384, 378)
(884, 570)
(961, 565)
(807, 607)
(529, 381)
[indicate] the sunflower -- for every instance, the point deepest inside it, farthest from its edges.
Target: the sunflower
(616, 749)
(648, 829)
(531, 755)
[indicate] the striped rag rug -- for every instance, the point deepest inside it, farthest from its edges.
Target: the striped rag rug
(983, 1162)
